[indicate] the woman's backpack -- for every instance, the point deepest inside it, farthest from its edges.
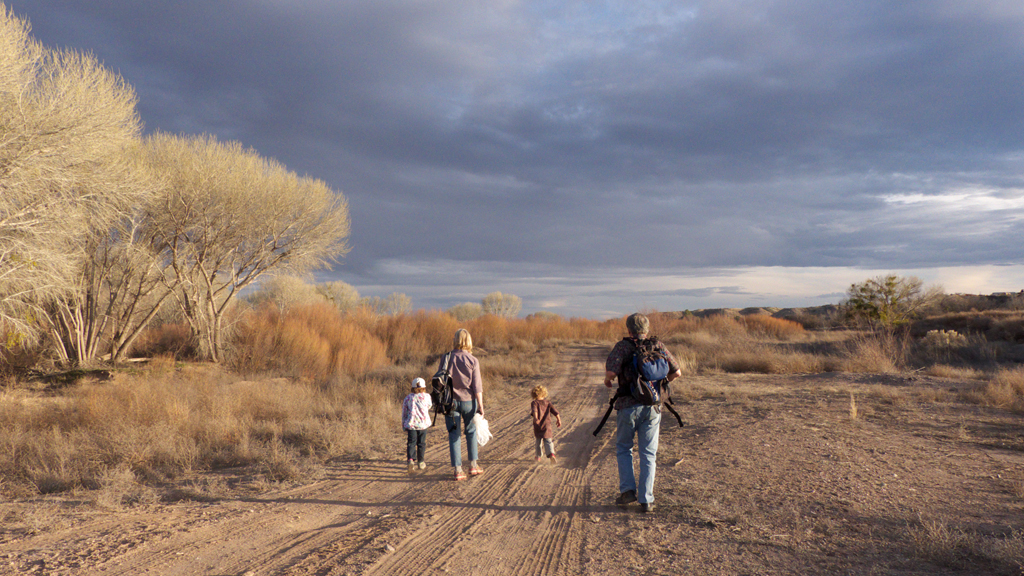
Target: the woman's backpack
(441, 393)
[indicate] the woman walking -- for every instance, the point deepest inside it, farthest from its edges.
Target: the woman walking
(467, 387)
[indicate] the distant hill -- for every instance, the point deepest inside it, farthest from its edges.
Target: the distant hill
(824, 311)
(821, 316)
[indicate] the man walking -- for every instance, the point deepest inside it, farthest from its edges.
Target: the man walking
(635, 419)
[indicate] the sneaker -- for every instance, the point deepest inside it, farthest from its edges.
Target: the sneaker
(553, 458)
(459, 474)
(627, 497)
(422, 465)
(646, 507)
(538, 458)
(412, 466)
(476, 471)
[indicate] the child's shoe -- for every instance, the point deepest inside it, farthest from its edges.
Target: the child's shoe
(553, 458)
(538, 458)
(412, 466)
(422, 465)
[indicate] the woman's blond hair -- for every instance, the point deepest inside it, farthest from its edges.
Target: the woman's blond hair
(463, 341)
(539, 392)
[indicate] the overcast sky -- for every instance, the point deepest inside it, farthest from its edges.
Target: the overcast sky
(597, 157)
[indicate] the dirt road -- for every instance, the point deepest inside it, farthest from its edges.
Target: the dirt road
(372, 517)
(771, 475)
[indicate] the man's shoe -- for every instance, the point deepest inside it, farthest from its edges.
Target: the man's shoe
(627, 497)
(646, 507)
(422, 465)
(412, 466)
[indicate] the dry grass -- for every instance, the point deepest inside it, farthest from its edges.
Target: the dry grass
(869, 356)
(954, 372)
(1005, 390)
(943, 544)
(147, 428)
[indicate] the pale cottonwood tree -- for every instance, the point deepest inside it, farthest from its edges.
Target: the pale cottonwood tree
(286, 291)
(66, 127)
(504, 305)
(227, 216)
(342, 295)
(391, 305)
(466, 311)
(122, 283)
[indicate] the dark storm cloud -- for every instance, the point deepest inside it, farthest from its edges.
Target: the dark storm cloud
(599, 135)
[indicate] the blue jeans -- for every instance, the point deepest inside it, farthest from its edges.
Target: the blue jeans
(417, 447)
(644, 422)
(462, 414)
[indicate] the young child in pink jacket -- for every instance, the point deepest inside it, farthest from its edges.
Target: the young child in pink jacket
(416, 421)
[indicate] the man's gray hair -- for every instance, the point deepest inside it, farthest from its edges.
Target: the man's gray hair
(638, 324)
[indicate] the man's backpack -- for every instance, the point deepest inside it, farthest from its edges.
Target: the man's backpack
(441, 393)
(646, 375)
(646, 372)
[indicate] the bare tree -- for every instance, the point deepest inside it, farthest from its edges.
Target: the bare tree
(119, 287)
(343, 295)
(391, 305)
(466, 311)
(228, 216)
(66, 128)
(504, 305)
(286, 291)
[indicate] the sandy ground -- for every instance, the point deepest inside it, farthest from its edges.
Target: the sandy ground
(771, 475)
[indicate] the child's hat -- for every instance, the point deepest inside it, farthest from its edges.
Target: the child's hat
(419, 383)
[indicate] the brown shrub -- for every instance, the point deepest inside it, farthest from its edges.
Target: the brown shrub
(412, 337)
(173, 339)
(1006, 390)
(313, 341)
(767, 326)
(767, 361)
(871, 355)
(1009, 329)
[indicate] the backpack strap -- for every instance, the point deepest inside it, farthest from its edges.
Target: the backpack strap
(611, 406)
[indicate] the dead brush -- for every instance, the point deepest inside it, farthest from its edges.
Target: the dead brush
(939, 543)
(314, 342)
(954, 372)
(1017, 489)
(762, 325)
(867, 354)
(942, 544)
(1005, 390)
(171, 339)
(156, 428)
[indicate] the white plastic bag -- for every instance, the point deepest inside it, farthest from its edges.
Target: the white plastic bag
(483, 429)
